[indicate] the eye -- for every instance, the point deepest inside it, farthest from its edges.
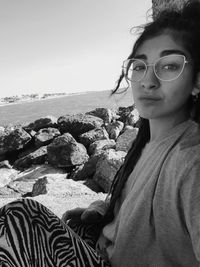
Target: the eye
(138, 67)
(171, 66)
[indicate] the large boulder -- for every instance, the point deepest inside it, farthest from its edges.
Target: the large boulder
(123, 113)
(128, 115)
(96, 134)
(13, 140)
(114, 129)
(78, 124)
(87, 170)
(125, 140)
(64, 151)
(45, 122)
(24, 183)
(65, 194)
(39, 156)
(61, 194)
(100, 145)
(107, 166)
(104, 113)
(44, 136)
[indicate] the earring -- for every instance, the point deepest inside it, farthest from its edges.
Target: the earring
(195, 98)
(195, 94)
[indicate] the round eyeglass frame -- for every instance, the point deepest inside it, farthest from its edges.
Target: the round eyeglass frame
(125, 62)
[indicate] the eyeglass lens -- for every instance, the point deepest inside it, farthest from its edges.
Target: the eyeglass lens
(166, 68)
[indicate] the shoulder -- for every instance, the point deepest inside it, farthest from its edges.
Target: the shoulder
(185, 155)
(188, 149)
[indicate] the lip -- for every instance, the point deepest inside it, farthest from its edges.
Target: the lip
(150, 98)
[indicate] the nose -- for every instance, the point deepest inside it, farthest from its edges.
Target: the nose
(150, 80)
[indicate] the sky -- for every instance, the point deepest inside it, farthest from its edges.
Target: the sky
(65, 46)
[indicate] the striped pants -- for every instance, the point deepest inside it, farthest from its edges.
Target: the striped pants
(32, 236)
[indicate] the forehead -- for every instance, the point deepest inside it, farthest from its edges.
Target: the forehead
(155, 47)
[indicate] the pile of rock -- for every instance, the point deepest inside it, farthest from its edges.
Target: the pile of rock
(89, 147)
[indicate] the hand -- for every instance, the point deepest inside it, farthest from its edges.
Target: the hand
(85, 215)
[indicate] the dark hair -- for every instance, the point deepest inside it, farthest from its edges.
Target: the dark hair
(184, 26)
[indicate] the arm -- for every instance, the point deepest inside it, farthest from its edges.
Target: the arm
(190, 199)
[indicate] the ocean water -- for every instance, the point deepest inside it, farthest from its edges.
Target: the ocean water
(76, 103)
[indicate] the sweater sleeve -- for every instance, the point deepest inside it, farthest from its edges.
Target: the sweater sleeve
(190, 199)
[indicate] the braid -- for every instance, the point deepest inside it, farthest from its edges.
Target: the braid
(128, 166)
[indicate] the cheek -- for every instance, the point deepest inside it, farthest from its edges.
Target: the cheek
(135, 90)
(179, 95)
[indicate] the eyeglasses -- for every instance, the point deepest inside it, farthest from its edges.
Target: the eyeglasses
(167, 68)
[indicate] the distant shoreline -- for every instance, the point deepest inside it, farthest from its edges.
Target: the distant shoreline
(2, 104)
(26, 112)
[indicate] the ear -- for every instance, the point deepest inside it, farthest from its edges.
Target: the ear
(196, 89)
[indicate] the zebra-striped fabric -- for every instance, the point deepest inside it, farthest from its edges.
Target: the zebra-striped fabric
(32, 236)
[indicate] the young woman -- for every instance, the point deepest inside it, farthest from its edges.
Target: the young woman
(152, 216)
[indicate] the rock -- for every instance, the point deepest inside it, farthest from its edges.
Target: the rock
(5, 164)
(114, 129)
(126, 139)
(2, 157)
(26, 152)
(45, 122)
(62, 194)
(99, 145)
(89, 137)
(13, 140)
(22, 187)
(39, 156)
(6, 176)
(87, 170)
(77, 173)
(44, 136)
(123, 112)
(64, 151)
(39, 187)
(92, 185)
(107, 166)
(128, 127)
(104, 113)
(46, 183)
(128, 115)
(78, 124)
(24, 182)
(132, 118)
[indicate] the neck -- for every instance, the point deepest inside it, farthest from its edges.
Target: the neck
(160, 126)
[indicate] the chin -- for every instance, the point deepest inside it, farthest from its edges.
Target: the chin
(147, 115)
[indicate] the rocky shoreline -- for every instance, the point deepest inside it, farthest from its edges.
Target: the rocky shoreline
(68, 161)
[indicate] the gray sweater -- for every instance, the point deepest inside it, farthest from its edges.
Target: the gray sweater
(157, 218)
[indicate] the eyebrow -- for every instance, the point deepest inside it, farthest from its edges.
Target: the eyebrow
(163, 53)
(172, 51)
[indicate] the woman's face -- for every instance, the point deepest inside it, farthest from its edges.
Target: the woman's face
(156, 99)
